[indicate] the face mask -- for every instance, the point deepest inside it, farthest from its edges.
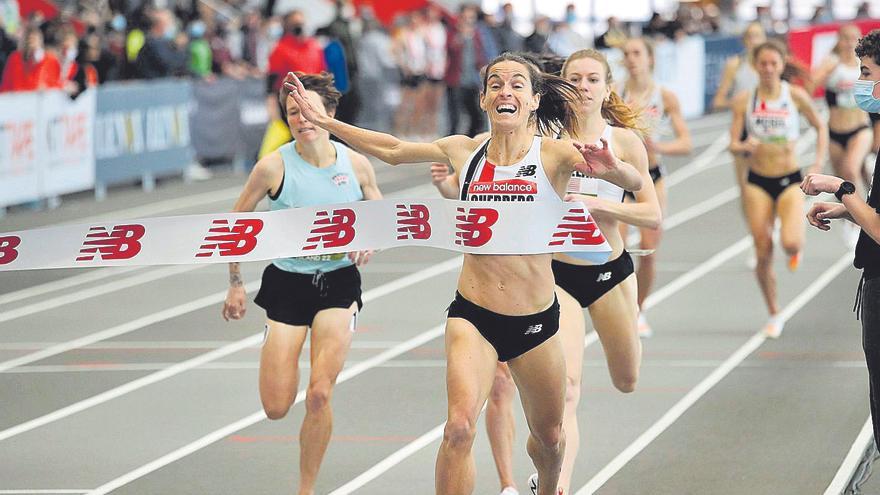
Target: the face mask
(197, 29)
(118, 23)
(297, 30)
(275, 31)
(863, 92)
(70, 55)
(571, 18)
(170, 32)
(38, 55)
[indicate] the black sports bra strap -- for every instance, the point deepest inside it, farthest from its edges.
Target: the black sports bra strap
(472, 169)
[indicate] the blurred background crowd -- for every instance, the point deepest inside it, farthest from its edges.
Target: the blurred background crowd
(419, 56)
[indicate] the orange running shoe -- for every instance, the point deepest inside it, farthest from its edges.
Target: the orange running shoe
(794, 261)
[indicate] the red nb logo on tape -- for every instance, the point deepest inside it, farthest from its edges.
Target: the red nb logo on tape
(121, 243)
(332, 229)
(8, 253)
(577, 227)
(412, 222)
(237, 240)
(474, 226)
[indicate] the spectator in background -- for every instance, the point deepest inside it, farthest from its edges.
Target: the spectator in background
(490, 43)
(223, 62)
(466, 56)
(821, 16)
(613, 37)
(508, 39)
(77, 74)
(764, 16)
(200, 57)
(251, 34)
(138, 25)
(570, 16)
(537, 41)
(295, 51)
(340, 29)
(31, 67)
(7, 44)
(411, 52)
(434, 32)
(864, 11)
(164, 52)
(108, 66)
(564, 40)
(656, 26)
(378, 77)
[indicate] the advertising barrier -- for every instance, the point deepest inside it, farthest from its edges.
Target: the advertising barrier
(45, 145)
(142, 130)
(229, 119)
(718, 51)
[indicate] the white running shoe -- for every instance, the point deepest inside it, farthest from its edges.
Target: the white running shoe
(645, 330)
(509, 490)
(774, 326)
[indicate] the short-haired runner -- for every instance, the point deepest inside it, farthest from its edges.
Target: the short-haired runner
(505, 308)
(739, 75)
(770, 114)
(666, 134)
(607, 290)
(321, 293)
(864, 214)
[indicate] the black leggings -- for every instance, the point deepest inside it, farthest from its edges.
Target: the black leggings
(871, 344)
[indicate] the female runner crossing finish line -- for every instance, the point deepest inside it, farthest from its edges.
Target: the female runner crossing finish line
(505, 308)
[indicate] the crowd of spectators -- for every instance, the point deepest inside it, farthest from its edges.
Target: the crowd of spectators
(421, 58)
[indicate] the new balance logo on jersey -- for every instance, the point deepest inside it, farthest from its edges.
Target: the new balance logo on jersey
(121, 243)
(604, 277)
(332, 229)
(238, 240)
(534, 329)
(527, 171)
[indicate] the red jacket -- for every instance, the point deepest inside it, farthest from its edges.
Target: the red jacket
(292, 54)
(21, 75)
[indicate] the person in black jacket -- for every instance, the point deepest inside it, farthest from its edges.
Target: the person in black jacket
(163, 54)
(866, 215)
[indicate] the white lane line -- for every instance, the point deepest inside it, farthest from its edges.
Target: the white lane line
(107, 288)
(122, 329)
(700, 162)
(411, 448)
(656, 298)
(701, 208)
(710, 381)
(852, 459)
(164, 206)
(161, 345)
(697, 272)
(129, 387)
(45, 491)
(176, 369)
(258, 416)
(392, 460)
(64, 283)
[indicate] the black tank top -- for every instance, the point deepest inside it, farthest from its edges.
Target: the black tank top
(868, 251)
